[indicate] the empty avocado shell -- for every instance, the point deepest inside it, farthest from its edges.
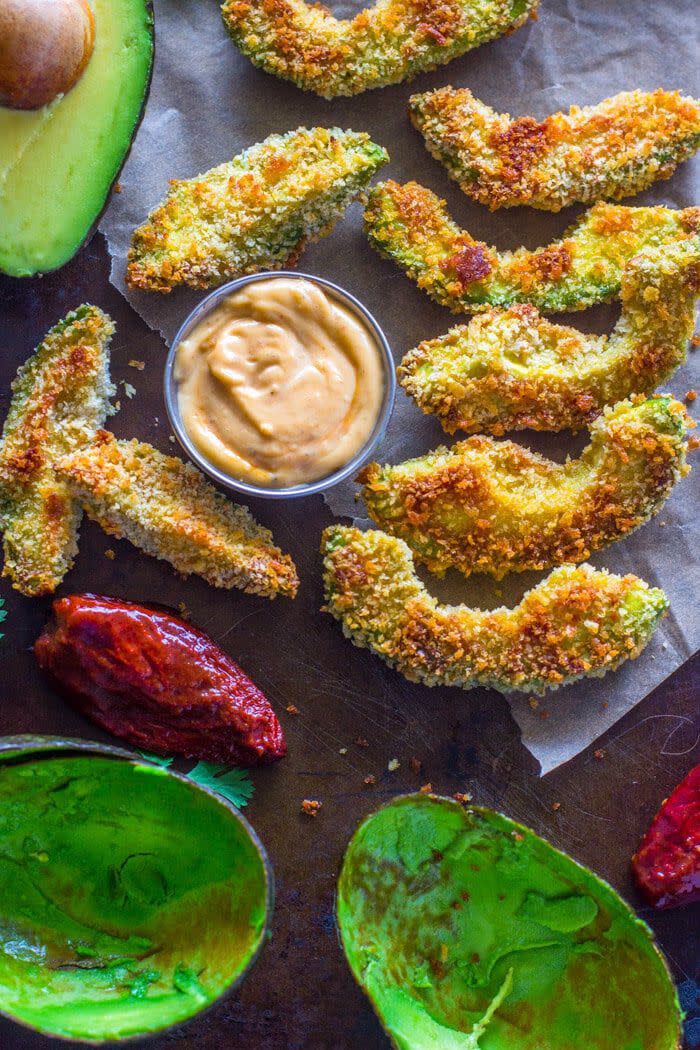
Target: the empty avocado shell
(131, 898)
(469, 932)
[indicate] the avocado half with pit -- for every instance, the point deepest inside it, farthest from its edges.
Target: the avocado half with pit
(131, 898)
(59, 162)
(467, 930)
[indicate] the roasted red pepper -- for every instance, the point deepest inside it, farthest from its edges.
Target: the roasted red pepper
(153, 680)
(667, 864)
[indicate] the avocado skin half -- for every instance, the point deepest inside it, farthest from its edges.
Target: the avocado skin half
(470, 932)
(58, 164)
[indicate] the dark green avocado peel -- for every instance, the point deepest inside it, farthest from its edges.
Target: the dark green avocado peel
(130, 899)
(469, 932)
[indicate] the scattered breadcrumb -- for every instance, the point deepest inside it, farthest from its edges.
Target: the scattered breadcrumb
(183, 610)
(310, 806)
(361, 742)
(556, 806)
(599, 754)
(393, 765)
(129, 390)
(109, 553)
(117, 187)
(369, 780)
(693, 443)
(426, 789)
(691, 395)
(534, 703)
(140, 365)
(292, 709)
(462, 796)
(343, 751)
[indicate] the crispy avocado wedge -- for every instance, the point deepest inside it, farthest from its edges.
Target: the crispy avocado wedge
(578, 622)
(496, 507)
(468, 931)
(410, 225)
(59, 399)
(384, 44)
(609, 151)
(256, 212)
(513, 370)
(168, 509)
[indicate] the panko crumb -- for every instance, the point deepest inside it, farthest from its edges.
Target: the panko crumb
(310, 807)
(139, 365)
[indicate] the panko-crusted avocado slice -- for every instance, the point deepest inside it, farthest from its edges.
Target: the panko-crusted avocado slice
(253, 213)
(468, 931)
(496, 507)
(59, 398)
(579, 622)
(384, 44)
(168, 509)
(410, 225)
(608, 151)
(513, 370)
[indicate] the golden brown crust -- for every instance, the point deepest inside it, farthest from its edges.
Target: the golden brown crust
(497, 507)
(59, 398)
(384, 44)
(253, 213)
(578, 622)
(608, 151)
(512, 369)
(168, 509)
(411, 226)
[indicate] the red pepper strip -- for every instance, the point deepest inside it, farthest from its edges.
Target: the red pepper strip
(667, 864)
(157, 682)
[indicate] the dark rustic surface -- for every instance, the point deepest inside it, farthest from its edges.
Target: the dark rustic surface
(300, 994)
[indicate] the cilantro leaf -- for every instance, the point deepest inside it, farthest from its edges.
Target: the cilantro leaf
(234, 784)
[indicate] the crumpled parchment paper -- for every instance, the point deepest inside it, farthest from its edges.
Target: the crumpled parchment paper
(208, 102)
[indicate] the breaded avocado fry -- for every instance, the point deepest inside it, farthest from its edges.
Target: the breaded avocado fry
(59, 399)
(256, 212)
(608, 151)
(512, 369)
(384, 44)
(496, 507)
(168, 509)
(410, 225)
(579, 622)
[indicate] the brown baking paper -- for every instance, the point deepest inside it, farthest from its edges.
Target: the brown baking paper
(207, 103)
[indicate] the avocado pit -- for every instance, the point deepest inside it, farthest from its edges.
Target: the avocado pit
(45, 46)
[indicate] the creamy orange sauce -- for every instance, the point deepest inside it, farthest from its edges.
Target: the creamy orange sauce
(281, 384)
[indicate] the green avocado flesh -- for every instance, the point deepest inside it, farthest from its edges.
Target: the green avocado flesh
(58, 163)
(129, 900)
(467, 931)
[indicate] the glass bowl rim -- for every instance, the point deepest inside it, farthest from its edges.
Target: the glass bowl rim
(354, 464)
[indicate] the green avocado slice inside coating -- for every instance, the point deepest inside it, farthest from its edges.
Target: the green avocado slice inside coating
(129, 899)
(469, 932)
(58, 163)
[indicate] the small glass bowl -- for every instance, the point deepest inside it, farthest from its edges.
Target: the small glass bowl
(362, 455)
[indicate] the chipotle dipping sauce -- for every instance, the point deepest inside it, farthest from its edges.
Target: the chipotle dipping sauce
(280, 384)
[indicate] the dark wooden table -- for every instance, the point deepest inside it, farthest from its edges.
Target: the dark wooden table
(301, 994)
